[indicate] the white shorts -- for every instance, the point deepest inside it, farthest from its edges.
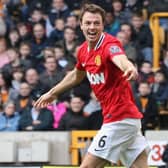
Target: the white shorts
(121, 140)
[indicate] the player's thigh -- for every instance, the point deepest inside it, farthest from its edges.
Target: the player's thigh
(91, 161)
(141, 161)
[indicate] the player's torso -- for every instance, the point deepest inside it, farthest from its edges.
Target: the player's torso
(106, 79)
(102, 74)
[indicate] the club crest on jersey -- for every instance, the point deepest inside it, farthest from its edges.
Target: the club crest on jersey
(98, 60)
(115, 49)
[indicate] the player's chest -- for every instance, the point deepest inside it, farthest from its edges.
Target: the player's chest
(94, 61)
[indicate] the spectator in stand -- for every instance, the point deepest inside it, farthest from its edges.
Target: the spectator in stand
(106, 4)
(112, 25)
(95, 120)
(2, 8)
(17, 78)
(145, 73)
(74, 4)
(48, 52)
(93, 111)
(160, 89)
(9, 118)
(51, 74)
(147, 104)
(92, 106)
(29, 5)
(69, 43)
(33, 79)
(120, 13)
(129, 30)
(75, 53)
(74, 118)
(73, 21)
(160, 92)
(58, 109)
(5, 15)
(59, 9)
(23, 100)
(129, 49)
(132, 6)
(83, 89)
(33, 119)
(13, 11)
(4, 58)
(58, 32)
(143, 37)
(38, 43)
(23, 32)
(37, 16)
(3, 27)
(16, 62)
(60, 57)
(13, 38)
(25, 51)
(164, 63)
(7, 93)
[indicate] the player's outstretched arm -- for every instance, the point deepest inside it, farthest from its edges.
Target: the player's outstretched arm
(71, 79)
(122, 62)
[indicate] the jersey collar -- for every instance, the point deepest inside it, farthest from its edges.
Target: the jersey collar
(100, 41)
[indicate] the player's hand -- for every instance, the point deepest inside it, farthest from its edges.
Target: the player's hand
(44, 100)
(131, 73)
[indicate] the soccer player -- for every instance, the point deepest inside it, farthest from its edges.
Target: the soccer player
(102, 59)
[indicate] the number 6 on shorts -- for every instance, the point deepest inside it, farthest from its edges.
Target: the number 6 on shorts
(102, 141)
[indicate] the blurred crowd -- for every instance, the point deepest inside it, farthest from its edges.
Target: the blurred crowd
(39, 40)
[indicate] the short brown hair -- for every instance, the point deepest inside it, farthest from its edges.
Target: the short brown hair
(92, 8)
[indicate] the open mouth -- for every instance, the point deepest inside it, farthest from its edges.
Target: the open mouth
(92, 34)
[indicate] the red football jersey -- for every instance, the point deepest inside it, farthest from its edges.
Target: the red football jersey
(106, 79)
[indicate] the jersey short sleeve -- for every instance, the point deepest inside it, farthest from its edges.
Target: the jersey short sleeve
(79, 65)
(114, 49)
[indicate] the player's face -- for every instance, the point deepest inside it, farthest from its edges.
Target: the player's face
(92, 26)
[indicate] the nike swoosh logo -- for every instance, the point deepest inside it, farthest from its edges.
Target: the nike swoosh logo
(100, 149)
(83, 64)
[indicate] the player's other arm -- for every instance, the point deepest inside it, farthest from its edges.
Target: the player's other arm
(122, 62)
(71, 79)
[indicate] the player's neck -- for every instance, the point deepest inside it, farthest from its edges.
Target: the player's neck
(91, 45)
(94, 44)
